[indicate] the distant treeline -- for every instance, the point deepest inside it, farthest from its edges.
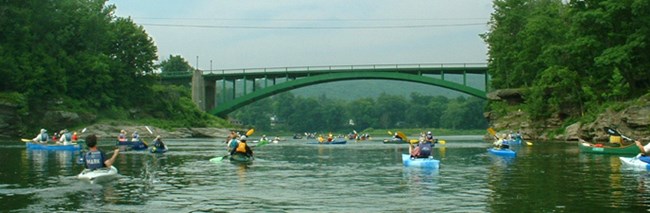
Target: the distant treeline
(575, 57)
(299, 114)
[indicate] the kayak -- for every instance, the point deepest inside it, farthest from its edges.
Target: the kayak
(158, 150)
(37, 146)
(131, 145)
(586, 147)
(98, 175)
(240, 158)
(502, 152)
(330, 143)
(634, 162)
(391, 141)
(420, 162)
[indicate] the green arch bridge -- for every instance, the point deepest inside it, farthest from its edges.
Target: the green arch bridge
(223, 91)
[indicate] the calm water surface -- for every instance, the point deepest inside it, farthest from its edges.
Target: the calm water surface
(293, 176)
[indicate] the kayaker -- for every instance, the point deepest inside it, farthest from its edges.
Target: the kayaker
(264, 138)
(95, 158)
(158, 144)
(501, 142)
(429, 138)
(242, 148)
(232, 143)
(74, 137)
(66, 137)
(643, 156)
(55, 137)
(42, 137)
(122, 136)
(423, 150)
(396, 137)
(135, 136)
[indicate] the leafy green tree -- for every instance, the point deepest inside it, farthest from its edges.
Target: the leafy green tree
(175, 63)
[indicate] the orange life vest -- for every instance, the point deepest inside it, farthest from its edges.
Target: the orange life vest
(241, 147)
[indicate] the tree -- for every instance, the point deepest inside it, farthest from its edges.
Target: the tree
(175, 63)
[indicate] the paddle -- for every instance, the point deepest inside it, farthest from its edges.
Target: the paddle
(25, 140)
(492, 132)
(615, 132)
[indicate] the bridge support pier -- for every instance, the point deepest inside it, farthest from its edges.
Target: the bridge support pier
(198, 89)
(210, 94)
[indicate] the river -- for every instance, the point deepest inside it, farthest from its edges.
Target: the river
(293, 176)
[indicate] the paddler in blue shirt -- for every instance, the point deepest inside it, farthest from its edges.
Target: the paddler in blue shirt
(95, 158)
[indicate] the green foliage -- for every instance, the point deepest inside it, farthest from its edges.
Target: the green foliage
(175, 63)
(297, 114)
(574, 56)
(78, 56)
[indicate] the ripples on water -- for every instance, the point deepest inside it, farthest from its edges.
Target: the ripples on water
(296, 177)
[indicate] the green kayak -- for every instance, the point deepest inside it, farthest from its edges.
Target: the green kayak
(240, 158)
(587, 147)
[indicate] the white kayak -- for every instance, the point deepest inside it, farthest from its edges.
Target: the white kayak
(635, 163)
(98, 174)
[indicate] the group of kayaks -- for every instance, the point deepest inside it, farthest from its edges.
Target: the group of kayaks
(96, 175)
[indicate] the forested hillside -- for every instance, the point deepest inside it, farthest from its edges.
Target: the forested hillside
(76, 58)
(574, 58)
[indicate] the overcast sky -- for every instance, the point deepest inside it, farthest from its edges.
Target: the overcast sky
(280, 33)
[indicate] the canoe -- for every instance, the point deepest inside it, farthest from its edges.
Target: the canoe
(240, 158)
(502, 152)
(420, 162)
(37, 146)
(635, 163)
(586, 147)
(98, 175)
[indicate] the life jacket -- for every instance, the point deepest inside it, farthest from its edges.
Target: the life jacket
(44, 137)
(94, 160)
(67, 136)
(425, 149)
(159, 144)
(241, 147)
(233, 144)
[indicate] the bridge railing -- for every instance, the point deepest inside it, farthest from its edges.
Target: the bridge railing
(341, 68)
(332, 68)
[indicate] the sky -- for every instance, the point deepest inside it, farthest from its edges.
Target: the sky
(234, 34)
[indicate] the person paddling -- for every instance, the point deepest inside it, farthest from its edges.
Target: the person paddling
(242, 148)
(42, 137)
(158, 144)
(95, 158)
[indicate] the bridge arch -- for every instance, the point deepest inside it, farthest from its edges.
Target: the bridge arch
(223, 109)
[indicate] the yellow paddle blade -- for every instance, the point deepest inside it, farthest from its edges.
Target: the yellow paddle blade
(250, 132)
(491, 131)
(529, 143)
(443, 142)
(25, 140)
(413, 141)
(390, 133)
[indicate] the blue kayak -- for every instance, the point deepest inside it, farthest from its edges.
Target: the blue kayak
(429, 163)
(502, 152)
(635, 163)
(38, 146)
(131, 145)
